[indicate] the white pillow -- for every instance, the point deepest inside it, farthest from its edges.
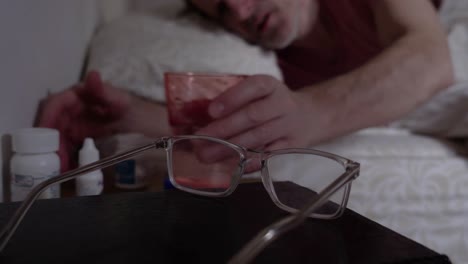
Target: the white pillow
(444, 115)
(134, 51)
(447, 113)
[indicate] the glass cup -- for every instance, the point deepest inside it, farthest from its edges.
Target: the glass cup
(189, 94)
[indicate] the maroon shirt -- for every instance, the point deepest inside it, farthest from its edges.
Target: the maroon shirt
(352, 28)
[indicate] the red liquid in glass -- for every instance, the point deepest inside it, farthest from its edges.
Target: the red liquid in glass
(189, 95)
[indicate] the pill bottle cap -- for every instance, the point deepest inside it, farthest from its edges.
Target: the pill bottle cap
(35, 140)
(88, 153)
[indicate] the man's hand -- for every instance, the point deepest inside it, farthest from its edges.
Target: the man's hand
(260, 113)
(88, 109)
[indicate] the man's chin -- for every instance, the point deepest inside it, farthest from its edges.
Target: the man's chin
(277, 42)
(275, 45)
(272, 43)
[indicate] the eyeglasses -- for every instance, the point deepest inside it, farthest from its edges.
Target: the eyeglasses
(306, 182)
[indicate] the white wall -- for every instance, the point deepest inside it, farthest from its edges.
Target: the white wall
(42, 47)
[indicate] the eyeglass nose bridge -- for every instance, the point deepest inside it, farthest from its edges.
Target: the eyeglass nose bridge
(259, 163)
(253, 161)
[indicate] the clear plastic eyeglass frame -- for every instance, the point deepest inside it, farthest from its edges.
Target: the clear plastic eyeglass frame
(264, 238)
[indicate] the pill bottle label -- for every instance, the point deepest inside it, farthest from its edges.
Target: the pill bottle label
(23, 184)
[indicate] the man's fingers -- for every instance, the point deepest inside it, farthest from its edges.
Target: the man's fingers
(261, 136)
(256, 138)
(92, 90)
(54, 106)
(281, 143)
(101, 98)
(252, 115)
(251, 89)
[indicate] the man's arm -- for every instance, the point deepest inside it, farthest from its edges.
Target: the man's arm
(146, 117)
(414, 66)
(261, 112)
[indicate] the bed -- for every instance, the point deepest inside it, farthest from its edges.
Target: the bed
(412, 183)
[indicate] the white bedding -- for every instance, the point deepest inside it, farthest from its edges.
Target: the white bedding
(447, 113)
(415, 185)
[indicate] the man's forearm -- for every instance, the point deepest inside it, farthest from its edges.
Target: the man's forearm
(146, 117)
(402, 77)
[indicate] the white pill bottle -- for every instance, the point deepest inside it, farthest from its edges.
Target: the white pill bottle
(35, 160)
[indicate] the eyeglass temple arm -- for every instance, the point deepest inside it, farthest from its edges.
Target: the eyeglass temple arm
(275, 230)
(19, 214)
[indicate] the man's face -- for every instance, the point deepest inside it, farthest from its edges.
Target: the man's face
(273, 24)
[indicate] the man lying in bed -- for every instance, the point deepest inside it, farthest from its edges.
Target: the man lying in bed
(347, 65)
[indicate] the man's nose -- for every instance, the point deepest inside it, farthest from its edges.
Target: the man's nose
(242, 9)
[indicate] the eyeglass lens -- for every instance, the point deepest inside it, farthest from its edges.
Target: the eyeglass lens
(204, 165)
(298, 177)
